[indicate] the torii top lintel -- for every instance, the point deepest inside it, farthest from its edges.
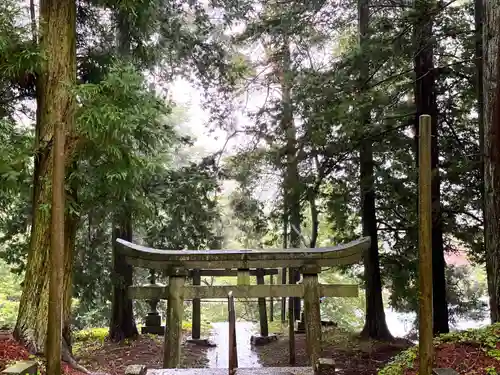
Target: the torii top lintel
(141, 256)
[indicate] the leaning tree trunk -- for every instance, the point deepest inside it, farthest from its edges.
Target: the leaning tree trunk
(491, 71)
(425, 100)
(375, 324)
(58, 41)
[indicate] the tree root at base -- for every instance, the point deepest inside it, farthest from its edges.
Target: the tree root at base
(67, 357)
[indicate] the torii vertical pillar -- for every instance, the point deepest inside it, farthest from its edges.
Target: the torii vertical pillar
(175, 309)
(312, 313)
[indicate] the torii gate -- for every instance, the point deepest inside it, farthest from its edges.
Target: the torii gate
(178, 263)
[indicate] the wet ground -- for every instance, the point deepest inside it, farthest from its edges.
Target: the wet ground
(218, 356)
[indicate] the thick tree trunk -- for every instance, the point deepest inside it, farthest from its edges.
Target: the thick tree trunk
(375, 324)
(122, 324)
(491, 65)
(54, 108)
(425, 100)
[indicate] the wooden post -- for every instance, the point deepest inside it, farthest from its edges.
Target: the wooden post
(425, 246)
(233, 351)
(173, 329)
(264, 329)
(196, 318)
(291, 323)
(283, 299)
(312, 313)
(243, 276)
(271, 301)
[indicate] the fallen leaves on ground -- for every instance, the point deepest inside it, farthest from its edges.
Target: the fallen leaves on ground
(464, 358)
(352, 355)
(113, 358)
(12, 351)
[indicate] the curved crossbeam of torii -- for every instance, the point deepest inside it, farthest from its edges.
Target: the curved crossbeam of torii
(146, 257)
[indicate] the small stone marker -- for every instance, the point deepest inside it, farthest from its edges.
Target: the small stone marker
(202, 342)
(258, 340)
(444, 371)
(21, 368)
(136, 370)
(323, 365)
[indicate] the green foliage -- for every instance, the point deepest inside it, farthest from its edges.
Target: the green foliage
(401, 362)
(348, 313)
(10, 293)
(91, 334)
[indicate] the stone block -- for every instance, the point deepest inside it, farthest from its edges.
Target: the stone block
(153, 330)
(301, 327)
(258, 340)
(136, 370)
(202, 342)
(328, 323)
(153, 320)
(324, 365)
(21, 368)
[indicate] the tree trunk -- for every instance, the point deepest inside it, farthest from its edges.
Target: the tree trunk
(375, 325)
(425, 101)
(58, 41)
(478, 21)
(491, 70)
(122, 324)
(292, 179)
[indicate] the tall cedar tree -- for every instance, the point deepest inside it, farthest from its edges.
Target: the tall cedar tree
(425, 101)
(375, 325)
(291, 180)
(122, 322)
(491, 70)
(55, 111)
(59, 77)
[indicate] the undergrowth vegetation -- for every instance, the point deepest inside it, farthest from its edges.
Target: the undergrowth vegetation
(483, 340)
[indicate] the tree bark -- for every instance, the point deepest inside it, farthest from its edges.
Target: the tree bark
(425, 101)
(58, 42)
(375, 324)
(122, 323)
(59, 111)
(491, 70)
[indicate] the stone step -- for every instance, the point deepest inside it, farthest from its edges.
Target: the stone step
(239, 371)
